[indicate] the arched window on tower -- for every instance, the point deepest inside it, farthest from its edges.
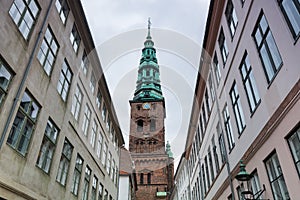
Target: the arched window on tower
(141, 178)
(149, 178)
(152, 125)
(140, 125)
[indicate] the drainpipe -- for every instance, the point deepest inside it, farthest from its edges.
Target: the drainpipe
(28, 66)
(222, 133)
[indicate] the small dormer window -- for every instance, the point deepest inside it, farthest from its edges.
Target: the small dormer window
(148, 73)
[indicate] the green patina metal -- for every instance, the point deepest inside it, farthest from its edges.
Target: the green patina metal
(168, 150)
(148, 86)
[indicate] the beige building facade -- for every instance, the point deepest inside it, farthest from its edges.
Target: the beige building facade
(59, 135)
(246, 104)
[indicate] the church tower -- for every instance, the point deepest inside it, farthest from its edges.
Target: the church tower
(153, 161)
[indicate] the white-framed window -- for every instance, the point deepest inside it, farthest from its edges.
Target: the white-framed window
(223, 46)
(294, 144)
(267, 49)
(237, 108)
(276, 178)
(228, 128)
(108, 163)
(94, 188)
(231, 17)
(249, 83)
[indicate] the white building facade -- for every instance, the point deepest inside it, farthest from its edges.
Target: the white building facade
(246, 104)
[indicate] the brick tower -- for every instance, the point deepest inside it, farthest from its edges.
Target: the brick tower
(153, 162)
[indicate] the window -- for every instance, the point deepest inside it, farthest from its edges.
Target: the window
(64, 81)
(103, 161)
(237, 108)
(5, 78)
(24, 123)
(203, 178)
(149, 178)
(294, 143)
(217, 69)
(249, 83)
(152, 125)
(93, 83)
(75, 38)
(64, 163)
(267, 48)
(77, 175)
(112, 174)
(86, 183)
(24, 14)
(76, 104)
(291, 12)
(210, 162)
(116, 176)
(100, 192)
(207, 103)
(223, 46)
(99, 98)
(63, 10)
(107, 125)
(207, 171)
(48, 51)
(211, 89)
(84, 63)
(103, 113)
(105, 195)
(231, 17)
(222, 146)
(254, 184)
(215, 154)
(228, 128)
(108, 163)
(99, 145)
(94, 132)
(94, 188)
(141, 178)
(276, 178)
(48, 146)
(86, 119)
(140, 124)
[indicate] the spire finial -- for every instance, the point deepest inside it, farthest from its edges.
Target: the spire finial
(149, 26)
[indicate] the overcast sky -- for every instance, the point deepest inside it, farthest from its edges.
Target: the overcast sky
(119, 29)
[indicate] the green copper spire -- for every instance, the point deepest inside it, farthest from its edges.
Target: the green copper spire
(148, 82)
(168, 150)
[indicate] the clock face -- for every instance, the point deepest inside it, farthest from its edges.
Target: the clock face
(146, 106)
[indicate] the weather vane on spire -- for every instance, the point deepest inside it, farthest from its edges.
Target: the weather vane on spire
(149, 23)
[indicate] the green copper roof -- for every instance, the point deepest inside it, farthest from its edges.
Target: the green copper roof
(148, 82)
(168, 150)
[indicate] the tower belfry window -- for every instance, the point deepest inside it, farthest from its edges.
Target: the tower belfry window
(152, 125)
(140, 125)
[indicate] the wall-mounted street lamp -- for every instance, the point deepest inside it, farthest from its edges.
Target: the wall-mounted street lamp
(242, 177)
